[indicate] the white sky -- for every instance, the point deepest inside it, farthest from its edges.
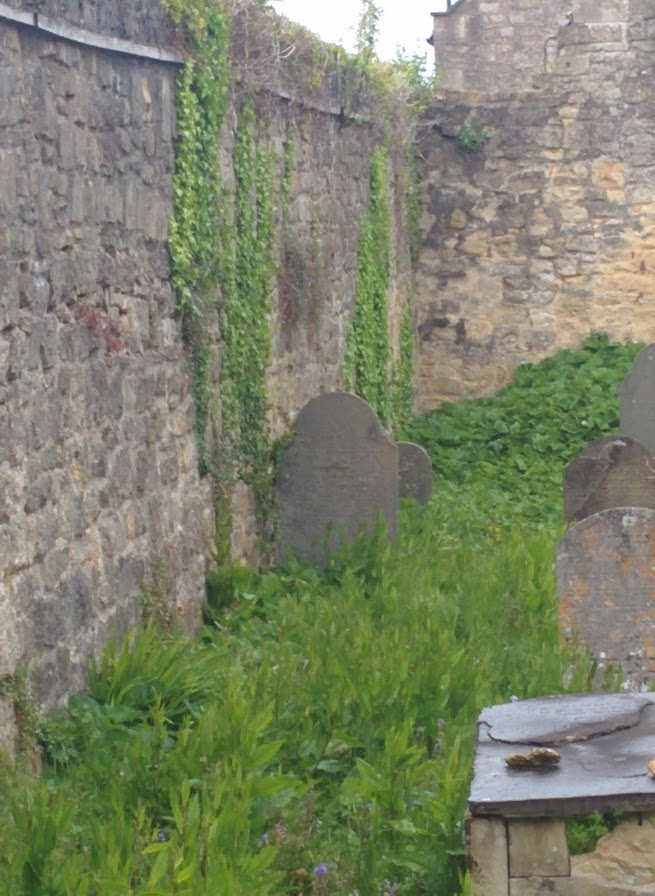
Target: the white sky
(404, 23)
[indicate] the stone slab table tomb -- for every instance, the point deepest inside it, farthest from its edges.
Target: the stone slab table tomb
(542, 760)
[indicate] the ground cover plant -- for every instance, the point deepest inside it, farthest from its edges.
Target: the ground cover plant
(316, 737)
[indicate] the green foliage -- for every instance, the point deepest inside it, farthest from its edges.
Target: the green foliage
(583, 832)
(368, 353)
(216, 242)
(514, 446)
(402, 387)
(471, 139)
(367, 29)
(317, 736)
(15, 690)
(201, 100)
(246, 273)
(411, 71)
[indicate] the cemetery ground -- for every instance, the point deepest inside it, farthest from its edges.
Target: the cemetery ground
(317, 736)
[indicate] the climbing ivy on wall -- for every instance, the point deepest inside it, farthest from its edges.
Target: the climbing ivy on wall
(246, 272)
(223, 267)
(402, 382)
(368, 351)
(221, 251)
(202, 100)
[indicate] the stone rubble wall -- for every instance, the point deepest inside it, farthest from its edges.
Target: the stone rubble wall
(99, 486)
(545, 233)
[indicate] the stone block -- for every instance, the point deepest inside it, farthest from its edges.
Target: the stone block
(591, 11)
(623, 859)
(537, 846)
(564, 886)
(486, 840)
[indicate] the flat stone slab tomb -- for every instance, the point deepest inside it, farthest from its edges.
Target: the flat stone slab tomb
(515, 828)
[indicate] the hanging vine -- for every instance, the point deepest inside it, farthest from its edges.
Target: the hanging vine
(368, 351)
(221, 251)
(246, 273)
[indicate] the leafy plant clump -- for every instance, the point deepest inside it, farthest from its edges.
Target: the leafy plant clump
(315, 738)
(471, 139)
(511, 449)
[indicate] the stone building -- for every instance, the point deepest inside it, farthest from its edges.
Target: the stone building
(538, 219)
(495, 45)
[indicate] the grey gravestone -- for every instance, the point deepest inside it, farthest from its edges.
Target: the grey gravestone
(637, 397)
(337, 477)
(615, 471)
(414, 472)
(606, 587)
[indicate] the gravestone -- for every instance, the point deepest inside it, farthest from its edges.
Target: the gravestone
(414, 472)
(637, 396)
(615, 471)
(337, 477)
(606, 587)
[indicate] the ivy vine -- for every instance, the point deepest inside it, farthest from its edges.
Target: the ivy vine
(221, 251)
(223, 263)
(202, 98)
(368, 350)
(246, 273)
(402, 384)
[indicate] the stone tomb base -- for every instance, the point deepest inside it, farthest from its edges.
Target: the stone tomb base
(516, 824)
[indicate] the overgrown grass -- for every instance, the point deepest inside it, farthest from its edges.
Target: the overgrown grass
(316, 738)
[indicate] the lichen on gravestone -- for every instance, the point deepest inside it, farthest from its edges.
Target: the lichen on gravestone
(606, 588)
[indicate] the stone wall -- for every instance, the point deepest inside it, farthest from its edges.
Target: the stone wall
(495, 45)
(99, 489)
(546, 232)
(99, 484)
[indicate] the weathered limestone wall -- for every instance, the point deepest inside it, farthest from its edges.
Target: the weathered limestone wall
(547, 232)
(99, 485)
(495, 45)
(99, 489)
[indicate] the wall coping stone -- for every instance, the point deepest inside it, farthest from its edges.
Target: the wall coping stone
(88, 38)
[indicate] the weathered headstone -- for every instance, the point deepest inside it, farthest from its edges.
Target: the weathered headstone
(606, 587)
(637, 397)
(337, 477)
(414, 472)
(615, 471)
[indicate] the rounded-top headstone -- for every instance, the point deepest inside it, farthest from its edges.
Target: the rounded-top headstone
(337, 477)
(414, 472)
(615, 471)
